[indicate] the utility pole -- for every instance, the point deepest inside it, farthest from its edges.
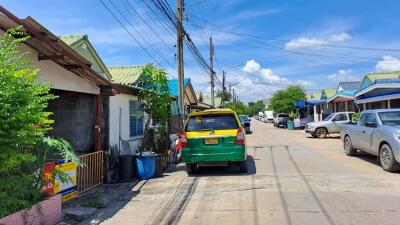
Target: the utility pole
(223, 81)
(212, 72)
(179, 46)
(230, 90)
(234, 97)
(224, 94)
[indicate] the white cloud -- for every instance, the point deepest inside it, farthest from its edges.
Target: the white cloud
(271, 77)
(251, 66)
(388, 64)
(304, 83)
(265, 75)
(339, 37)
(314, 42)
(304, 42)
(343, 75)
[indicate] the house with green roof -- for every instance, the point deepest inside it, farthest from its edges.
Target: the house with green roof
(326, 108)
(127, 116)
(315, 95)
(343, 99)
(379, 91)
(82, 45)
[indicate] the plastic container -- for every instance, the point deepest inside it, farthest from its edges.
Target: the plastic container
(146, 166)
(126, 167)
(290, 125)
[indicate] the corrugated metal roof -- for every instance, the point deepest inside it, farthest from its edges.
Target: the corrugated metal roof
(329, 92)
(316, 95)
(71, 39)
(126, 75)
(217, 100)
(383, 76)
(350, 86)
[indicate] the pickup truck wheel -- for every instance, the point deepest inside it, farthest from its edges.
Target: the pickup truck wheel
(190, 168)
(243, 166)
(321, 133)
(348, 147)
(387, 160)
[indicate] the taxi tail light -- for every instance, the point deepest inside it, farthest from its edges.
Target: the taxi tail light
(240, 137)
(184, 139)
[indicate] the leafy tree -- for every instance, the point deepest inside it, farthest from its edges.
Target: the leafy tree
(201, 99)
(155, 96)
(255, 107)
(24, 121)
(225, 96)
(238, 107)
(283, 101)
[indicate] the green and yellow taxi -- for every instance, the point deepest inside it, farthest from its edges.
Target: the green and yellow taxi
(213, 137)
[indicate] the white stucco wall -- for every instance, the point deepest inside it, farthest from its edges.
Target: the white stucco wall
(117, 103)
(59, 77)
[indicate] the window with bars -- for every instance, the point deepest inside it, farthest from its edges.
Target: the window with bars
(136, 119)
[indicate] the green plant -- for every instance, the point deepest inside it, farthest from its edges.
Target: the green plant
(356, 117)
(24, 122)
(255, 107)
(238, 107)
(155, 96)
(283, 101)
(293, 116)
(95, 202)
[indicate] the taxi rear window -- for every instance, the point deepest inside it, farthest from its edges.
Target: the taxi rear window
(212, 122)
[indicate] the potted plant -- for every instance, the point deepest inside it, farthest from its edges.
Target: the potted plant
(290, 123)
(155, 96)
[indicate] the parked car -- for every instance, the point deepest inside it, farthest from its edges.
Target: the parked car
(260, 115)
(212, 137)
(330, 125)
(280, 119)
(377, 132)
(245, 120)
(269, 116)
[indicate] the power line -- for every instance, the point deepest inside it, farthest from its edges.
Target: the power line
(129, 6)
(130, 34)
(285, 41)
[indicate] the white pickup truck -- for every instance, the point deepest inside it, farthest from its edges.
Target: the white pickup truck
(330, 125)
(377, 132)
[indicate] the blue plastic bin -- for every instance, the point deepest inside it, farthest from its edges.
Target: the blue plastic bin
(146, 167)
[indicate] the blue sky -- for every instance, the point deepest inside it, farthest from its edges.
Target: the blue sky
(263, 45)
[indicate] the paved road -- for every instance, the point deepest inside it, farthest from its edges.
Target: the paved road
(292, 179)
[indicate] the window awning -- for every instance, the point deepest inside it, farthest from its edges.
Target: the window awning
(378, 98)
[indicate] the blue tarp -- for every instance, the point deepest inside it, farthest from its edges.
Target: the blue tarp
(300, 105)
(173, 86)
(316, 102)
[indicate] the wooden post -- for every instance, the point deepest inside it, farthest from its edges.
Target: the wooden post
(315, 113)
(97, 126)
(346, 106)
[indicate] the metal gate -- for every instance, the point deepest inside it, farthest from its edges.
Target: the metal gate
(91, 174)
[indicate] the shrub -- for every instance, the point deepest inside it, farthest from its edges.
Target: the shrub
(24, 149)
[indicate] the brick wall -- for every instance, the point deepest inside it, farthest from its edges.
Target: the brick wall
(74, 119)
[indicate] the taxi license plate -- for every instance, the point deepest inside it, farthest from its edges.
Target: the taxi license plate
(211, 141)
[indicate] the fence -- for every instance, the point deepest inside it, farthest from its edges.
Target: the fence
(90, 175)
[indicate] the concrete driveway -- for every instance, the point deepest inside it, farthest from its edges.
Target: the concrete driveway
(292, 179)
